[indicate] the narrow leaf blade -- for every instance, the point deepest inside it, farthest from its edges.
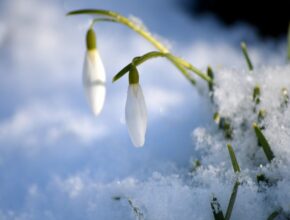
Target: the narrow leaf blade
(235, 164)
(122, 72)
(263, 141)
(232, 200)
(246, 55)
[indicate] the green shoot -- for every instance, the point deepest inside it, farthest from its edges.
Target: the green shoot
(235, 164)
(224, 124)
(246, 55)
(232, 200)
(256, 94)
(210, 84)
(261, 115)
(234, 193)
(264, 143)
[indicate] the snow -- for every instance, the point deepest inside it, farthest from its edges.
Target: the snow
(58, 161)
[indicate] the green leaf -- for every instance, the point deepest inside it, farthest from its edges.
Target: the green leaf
(235, 164)
(211, 76)
(225, 124)
(216, 209)
(264, 143)
(93, 12)
(210, 84)
(246, 55)
(232, 200)
(122, 72)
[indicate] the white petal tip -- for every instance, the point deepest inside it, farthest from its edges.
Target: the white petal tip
(138, 145)
(96, 112)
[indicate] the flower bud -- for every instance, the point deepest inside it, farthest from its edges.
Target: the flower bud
(94, 76)
(135, 111)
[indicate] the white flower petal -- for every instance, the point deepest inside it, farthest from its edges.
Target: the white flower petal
(94, 78)
(136, 115)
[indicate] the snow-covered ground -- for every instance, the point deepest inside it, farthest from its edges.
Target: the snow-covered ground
(57, 161)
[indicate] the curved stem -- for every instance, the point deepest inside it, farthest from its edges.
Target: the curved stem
(154, 54)
(178, 62)
(123, 20)
(194, 69)
(96, 20)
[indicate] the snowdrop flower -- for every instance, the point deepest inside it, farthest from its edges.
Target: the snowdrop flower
(135, 112)
(94, 76)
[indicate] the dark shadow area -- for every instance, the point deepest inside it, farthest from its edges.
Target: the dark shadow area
(271, 18)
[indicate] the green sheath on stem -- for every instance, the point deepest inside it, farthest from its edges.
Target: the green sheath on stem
(91, 39)
(133, 75)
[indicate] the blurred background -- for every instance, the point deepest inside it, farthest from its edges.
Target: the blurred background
(58, 161)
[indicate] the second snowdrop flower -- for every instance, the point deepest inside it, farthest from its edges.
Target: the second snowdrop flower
(136, 112)
(94, 76)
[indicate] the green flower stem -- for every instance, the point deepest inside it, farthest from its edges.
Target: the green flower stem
(174, 60)
(116, 17)
(194, 69)
(154, 54)
(123, 20)
(96, 20)
(245, 52)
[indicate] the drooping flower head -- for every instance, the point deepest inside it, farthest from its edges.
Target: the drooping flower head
(94, 76)
(136, 112)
